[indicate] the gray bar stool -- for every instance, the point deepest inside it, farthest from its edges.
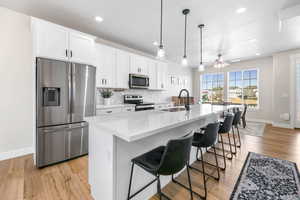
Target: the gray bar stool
(224, 129)
(166, 161)
(205, 140)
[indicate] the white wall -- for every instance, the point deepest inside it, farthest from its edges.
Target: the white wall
(265, 66)
(16, 80)
(282, 81)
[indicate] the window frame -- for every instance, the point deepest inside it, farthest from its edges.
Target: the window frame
(212, 73)
(258, 86)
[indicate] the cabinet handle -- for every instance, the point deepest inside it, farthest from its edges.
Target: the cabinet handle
(66, 52)
(71, 54)
(109, 111)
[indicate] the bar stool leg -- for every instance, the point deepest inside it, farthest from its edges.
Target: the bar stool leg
(204, 179)
(234, 142)
(239, 136)
(131, 174)
(189, 179)
(230, 147)
(223, 150)
(216, 162)
(159, 188)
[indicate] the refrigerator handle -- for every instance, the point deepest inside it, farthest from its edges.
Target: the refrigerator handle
(70, 92)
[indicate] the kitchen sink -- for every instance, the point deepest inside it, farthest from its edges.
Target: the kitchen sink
(173, 109)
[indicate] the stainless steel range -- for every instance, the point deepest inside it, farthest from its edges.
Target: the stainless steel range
(138, 100)
(65, 95)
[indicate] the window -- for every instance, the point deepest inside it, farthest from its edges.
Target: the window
(212, 88)
(243, 87)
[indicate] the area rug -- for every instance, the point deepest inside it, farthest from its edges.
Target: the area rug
(266, 178)
(253, 129)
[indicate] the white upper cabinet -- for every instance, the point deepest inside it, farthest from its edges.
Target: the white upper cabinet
(162, 75)
(106, 66)
(152, 69)
(61, 43)
(138, 65)
(122, 69)
(50, 40)
(81, 48)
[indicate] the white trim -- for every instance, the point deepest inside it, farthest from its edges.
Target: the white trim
(293, 61)
(16, 153)
(282, 125)
(260, 120)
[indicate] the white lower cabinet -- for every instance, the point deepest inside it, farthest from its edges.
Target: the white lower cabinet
(108, 111)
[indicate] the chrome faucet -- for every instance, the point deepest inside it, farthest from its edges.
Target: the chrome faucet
(187, 104)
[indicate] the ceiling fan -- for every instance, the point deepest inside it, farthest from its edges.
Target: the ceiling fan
(220, 63)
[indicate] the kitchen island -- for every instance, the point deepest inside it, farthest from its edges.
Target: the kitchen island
(115, 139)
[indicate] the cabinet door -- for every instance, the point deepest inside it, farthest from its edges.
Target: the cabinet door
(50, 40)
(162, 75)
(138, 65)
(122, 69)
(106, 67)
(81, 48)
(152, 68)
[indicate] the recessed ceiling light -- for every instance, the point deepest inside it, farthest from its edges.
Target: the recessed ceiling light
(258, 54)
(241, 10)
(252, 40)
(155, 43)
(99, 19)
(236, 60)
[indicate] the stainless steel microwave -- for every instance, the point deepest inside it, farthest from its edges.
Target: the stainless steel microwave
(137, 81)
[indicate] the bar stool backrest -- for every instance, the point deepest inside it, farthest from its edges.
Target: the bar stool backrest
(227, 124)
(237, 118)
(176, 155)
(210, 135)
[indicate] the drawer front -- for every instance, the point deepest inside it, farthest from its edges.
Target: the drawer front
(128, 109)
(162, 106)
(109, 111)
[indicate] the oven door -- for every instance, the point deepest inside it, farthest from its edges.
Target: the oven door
(138, 81)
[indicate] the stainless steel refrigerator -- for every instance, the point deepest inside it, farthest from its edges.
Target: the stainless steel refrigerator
(65, 95)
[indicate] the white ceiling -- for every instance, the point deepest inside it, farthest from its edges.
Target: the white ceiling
(135, 23)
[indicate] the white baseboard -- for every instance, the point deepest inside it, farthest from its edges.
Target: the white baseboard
(282, 125)
(16, 153)
(260, 120)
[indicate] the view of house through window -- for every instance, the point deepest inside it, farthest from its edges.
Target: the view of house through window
(212, 90)
(243, 87)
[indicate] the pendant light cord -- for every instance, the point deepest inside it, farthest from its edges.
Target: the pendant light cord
(161, 23)
(185, 35)
(201, 45)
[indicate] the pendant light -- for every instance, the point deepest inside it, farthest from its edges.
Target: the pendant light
(201, 67)
(160, 51)
(184, 61)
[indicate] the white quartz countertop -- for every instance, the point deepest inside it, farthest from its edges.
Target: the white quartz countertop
(133, 126)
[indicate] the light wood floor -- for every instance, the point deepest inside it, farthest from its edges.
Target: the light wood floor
(19, 179)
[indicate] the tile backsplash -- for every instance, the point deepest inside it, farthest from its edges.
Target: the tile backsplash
(149, 96)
